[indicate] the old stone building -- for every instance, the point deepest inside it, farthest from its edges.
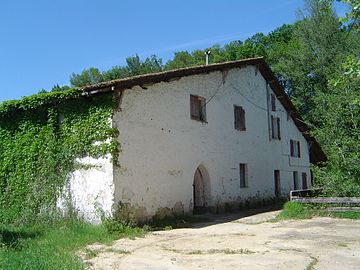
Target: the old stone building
(196, 139)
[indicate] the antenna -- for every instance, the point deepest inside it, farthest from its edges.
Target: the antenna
(207, 55)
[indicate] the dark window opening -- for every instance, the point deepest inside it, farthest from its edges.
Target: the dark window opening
(273, 102)
(296, 180)
(294, 148)
(275, 128)
(304, 181)
(239, 116)
(243, 175)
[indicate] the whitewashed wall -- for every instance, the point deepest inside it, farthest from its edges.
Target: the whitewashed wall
(90, 191)
(161, 147)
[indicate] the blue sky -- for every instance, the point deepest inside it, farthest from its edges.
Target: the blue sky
(43, 42)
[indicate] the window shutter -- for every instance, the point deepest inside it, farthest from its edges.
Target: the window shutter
(195, 105)
(272, 128)
(278, 127)
(291, 148)
(298, 147)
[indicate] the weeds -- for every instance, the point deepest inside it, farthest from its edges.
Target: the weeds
(293, 210)
(55, 246)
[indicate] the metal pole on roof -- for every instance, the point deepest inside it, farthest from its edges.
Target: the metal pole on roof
(207, 55)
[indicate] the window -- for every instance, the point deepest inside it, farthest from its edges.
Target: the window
(273, 102)
(277, 183)
(239, 117)
(243, 175)
(304, 181)
(296, 180)
(294, 148)
(198, 108)
(275, 127)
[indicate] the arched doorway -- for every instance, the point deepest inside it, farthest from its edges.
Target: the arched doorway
(201, 190)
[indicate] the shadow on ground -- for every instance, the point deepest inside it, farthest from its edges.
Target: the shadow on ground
(209, 219)
(12, 238)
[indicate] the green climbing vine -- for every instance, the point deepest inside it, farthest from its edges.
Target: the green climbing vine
(41, 137)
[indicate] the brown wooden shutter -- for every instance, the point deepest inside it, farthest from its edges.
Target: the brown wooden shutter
(278, 127)
(195, 107)
(298, 147)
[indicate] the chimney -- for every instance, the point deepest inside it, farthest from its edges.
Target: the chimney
(207, 55)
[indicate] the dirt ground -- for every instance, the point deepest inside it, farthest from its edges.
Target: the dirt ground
(236, 242)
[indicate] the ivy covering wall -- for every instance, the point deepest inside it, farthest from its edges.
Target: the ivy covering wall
(40, 139)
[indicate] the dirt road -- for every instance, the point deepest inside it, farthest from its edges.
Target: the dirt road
(239, 243)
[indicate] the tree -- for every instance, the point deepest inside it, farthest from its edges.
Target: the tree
(340, 132)
(313, 55)
(86, 77)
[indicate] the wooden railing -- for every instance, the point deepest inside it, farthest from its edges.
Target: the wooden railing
(332, 204)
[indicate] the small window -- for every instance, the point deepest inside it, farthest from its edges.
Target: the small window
(304, 181)
(294, 148)
(275, 128)
(277, 183)
(198, 108)
(239, 117)
(296, 180)
(243, 175)
(273, 102)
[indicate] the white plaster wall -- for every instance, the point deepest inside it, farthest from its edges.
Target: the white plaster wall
(90, 191)
(161, 147)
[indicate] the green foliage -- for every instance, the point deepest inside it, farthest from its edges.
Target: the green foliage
(313, 55)
(40, 139)
(48, 247)
(352, 17)
(340, 132)
(348, 215)
(134, 66)
(293, 210)
(118, 228)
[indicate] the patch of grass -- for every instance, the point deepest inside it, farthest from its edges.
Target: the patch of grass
(343, 245)
(293, 210)
(312, 264)
(53, 246)
(195, 252)
(231, 251)
(349, 215)
(168, 228)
